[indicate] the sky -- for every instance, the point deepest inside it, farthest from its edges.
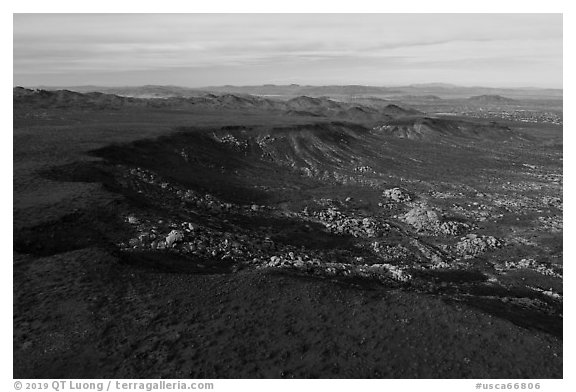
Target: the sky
(196, 50)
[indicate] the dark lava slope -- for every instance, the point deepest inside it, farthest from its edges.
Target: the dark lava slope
(322, 199)
(434, 129)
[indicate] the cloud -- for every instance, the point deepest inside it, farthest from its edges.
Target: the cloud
(243, 44)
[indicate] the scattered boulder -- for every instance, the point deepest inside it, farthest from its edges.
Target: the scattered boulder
(337, 222)
(398, 195)
(474, 245)
(133, 242)
(389, 253)
(531, 264)
(422, 218)
(425, 219)
(394, 271)
(553, 224)
(453, 228)
(191, 226)
(173, 237)
(132, 220)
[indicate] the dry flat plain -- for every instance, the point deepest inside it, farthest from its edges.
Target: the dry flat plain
(227, 235)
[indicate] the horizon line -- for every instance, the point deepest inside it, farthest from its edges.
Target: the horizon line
(427, 84)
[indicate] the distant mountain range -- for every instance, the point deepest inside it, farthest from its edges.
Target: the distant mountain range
(203, 101)
(417, 91)
(491, 99)
(385, 118)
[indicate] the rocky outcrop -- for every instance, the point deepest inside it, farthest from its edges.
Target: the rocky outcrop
(474, 245)
(337, 222)
(398, 195)
(424, 219)
(546, 269)
(173, 237)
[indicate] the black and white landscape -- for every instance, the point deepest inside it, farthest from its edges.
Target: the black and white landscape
(287, 230)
